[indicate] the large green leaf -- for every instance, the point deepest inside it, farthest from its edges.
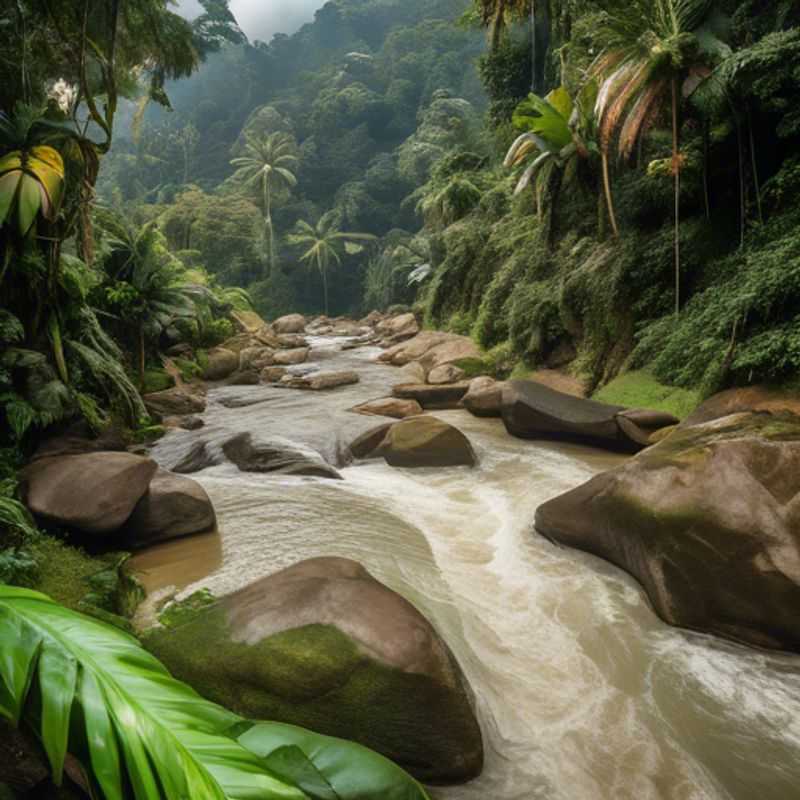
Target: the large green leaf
(9, 183)
(29, 202)
(538, 115)
(139, 732)
(142, 735)
(350, 771)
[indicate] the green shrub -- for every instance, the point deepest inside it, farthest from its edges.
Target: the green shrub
(157, 380)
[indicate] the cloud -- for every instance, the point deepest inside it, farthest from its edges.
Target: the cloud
(261, 19)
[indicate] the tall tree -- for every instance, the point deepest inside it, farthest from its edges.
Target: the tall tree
(651, 48)
(266, 163)
(324, 245)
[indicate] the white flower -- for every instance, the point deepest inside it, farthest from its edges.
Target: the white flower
(64, 94)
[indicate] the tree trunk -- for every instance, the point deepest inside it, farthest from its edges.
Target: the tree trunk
(754, 164)
(325, 288)
(609, 199)
(676, 168)
(141, 356)
(268, 224)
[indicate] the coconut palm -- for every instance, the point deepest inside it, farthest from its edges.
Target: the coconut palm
(652, 51)
(266, 162)
(324, 245)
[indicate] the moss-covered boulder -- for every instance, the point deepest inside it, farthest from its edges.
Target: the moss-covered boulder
(157, 380)
(326, 646)
(708, 521)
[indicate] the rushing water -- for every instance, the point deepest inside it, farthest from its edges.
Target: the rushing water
(582, 692)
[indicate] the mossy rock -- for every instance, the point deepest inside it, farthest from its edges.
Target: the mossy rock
(157, 380)
(377, 674)
(705, 520)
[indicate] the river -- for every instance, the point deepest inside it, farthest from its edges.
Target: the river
(581, 691)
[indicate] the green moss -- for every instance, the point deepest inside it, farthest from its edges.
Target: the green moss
(150, 433)
(316, 677)
(189, 369)
(641, 390)
(157, 380)
(97, 585)
(183, 611)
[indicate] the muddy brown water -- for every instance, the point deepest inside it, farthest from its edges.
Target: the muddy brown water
(582, 692)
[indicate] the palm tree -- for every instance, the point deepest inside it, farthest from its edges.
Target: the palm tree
(324, 243)
(650, 49)
(266, 162)
(496, 15)
(559, 130)
(147, 286)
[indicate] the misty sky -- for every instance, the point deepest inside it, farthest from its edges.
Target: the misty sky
(260, 19)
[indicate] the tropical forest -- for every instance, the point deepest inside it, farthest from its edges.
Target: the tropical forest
(399, 400)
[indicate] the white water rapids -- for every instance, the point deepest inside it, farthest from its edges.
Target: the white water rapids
(581, 691)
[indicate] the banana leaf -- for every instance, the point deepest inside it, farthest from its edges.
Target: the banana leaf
(327, 768)
(544, 118)
(91, 690)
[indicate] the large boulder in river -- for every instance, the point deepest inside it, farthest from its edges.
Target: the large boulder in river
(434, 398)
(324, 645)
(749, 398)
(285, 358)
(425, 442)
(93, 493)
(398, 329)
(531, 410)
(221, 363)
(319, 381)
(173, 506)
(251, 454)
(484, 398)
(708, 521)
(292, 323)
(433, 349)
(392, 407)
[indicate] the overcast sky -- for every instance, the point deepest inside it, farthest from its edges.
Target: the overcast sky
(260, 19)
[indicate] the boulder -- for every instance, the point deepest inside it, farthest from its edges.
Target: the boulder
(278, 455)
(447, 373)
(292, 323)
(708, 521)
(389, 407)
(413, 372)
(221, 363)
(292, 341)
(450, 351)
(244, 377)
(398, 329)
(93, 493)
(199, 457)
(413, 349)
(372, 319)
(324, 645)
(319, 381)
(284, 358)
(272, 374)
(258, 357)
(79, 438)
(484, 397)
(364, 445)
(531, 410)
(172, 507)
(174, 402)
(432, 397)
(425, 442)
(750, 398)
